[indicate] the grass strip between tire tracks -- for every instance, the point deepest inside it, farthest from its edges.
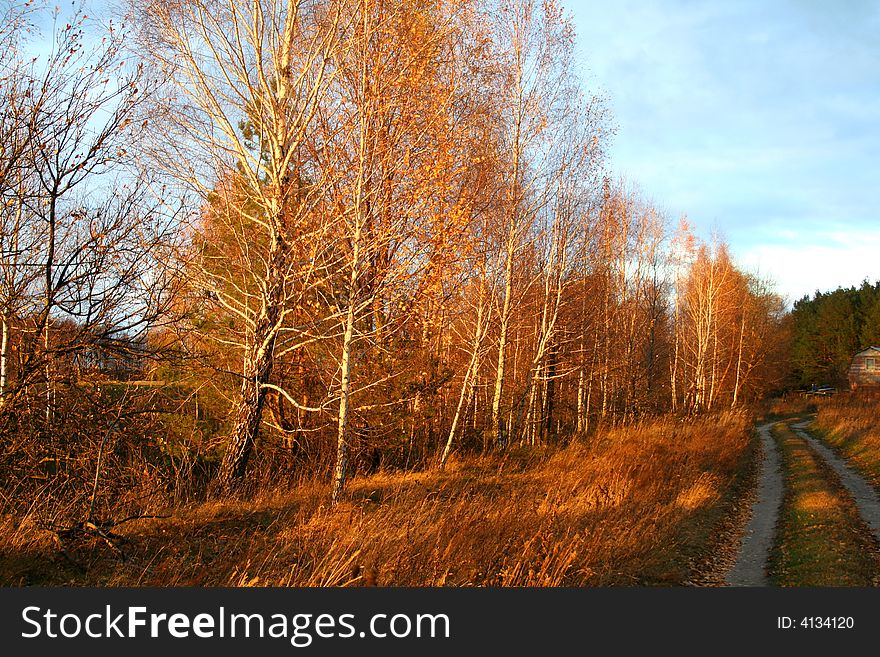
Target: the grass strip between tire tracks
(821, 540)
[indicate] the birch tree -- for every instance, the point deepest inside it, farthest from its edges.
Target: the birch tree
(534, 42)
(401, 184)
(243, 82)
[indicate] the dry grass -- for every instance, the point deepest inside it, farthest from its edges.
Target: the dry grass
(850, 423)
(822, 540)
(792, 404)
(635, 506)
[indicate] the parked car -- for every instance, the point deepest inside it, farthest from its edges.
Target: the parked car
(820, 391)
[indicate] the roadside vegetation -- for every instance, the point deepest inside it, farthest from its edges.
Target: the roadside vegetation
(850, 423)
(355, 298)
(790, 405)
(643, 505)
(821, 540)
(355, 291)
(828, 328)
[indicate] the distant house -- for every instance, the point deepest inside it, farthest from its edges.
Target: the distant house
(865, 368)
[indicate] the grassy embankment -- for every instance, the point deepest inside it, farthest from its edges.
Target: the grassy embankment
(850, 424)
(821, 539)
(645, 505)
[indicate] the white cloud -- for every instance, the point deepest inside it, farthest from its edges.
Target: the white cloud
(757, 119)
(823, 261)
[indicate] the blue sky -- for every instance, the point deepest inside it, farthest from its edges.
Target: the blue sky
(760, 120)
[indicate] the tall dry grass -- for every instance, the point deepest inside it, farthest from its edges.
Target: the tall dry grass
(850, 422)
(790, 404)
(821, 540)
(633, 506)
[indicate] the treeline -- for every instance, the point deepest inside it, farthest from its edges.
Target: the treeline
(829, 329)
(357, 233)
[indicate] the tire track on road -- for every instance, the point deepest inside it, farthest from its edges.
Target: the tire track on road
(863, 494)
(750, 568)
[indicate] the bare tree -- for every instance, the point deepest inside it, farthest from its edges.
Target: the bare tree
(79, 244)
(244, 81)
(401, 186)
(534, 45)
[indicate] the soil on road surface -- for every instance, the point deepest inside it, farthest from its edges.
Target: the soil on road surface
(864, 495)
(750, 568)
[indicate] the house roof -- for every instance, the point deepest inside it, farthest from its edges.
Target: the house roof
(869, 350)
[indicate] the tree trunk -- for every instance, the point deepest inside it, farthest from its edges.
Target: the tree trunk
(469, 376)
(340, 471)
(248, 417)
(497, 427)
(550, 391)
(739, 359)
(49, 299)
(580, 400)
(4, 360)
(342, 443)
(257, 369)
(673, 370)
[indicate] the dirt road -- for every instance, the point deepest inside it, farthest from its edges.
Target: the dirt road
(864, 495)
(750, 568)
